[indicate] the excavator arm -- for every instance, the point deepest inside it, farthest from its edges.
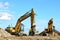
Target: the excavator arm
(25, 16)
(50, 26)
(18, 24)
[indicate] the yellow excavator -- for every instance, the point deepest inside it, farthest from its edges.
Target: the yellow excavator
(18, 27)
(50, 26)
(49, 30)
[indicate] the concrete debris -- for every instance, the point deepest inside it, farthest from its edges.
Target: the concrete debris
(6, 36)
(3, 33)
(31, 38)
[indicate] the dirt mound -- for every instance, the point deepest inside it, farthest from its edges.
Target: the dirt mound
(3, 33)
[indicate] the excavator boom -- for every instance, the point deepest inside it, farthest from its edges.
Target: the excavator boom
(25, 16)
(50, 25)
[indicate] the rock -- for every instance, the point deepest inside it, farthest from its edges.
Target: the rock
(3, 33)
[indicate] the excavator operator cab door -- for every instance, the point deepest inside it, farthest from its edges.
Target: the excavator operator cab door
(22, 29)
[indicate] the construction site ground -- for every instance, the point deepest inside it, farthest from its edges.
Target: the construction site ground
(6, 36)
(31, 38)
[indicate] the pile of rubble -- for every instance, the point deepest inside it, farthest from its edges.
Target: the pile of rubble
(31, 38)
(3, 33)
(6, 36)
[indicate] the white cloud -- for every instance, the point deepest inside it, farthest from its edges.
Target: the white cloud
(5, 16)
(4, 5)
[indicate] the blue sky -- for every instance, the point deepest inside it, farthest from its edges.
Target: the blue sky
(11, 10)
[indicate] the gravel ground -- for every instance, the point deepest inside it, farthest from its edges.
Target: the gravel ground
(6, 36)
(30, 38)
